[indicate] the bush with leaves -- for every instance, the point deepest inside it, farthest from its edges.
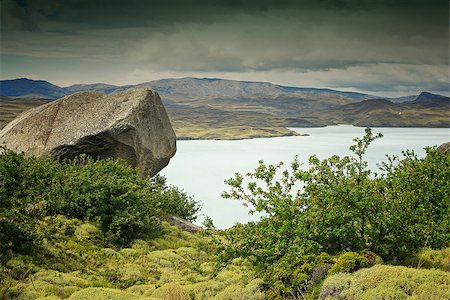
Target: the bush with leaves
(291, 276)
(340, 205)
(416, 204)
(349, 262)
(106, 192)
(173, 200)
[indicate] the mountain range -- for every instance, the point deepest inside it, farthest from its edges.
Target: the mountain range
(192, 88)
(204, 108)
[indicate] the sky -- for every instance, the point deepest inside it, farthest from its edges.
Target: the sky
(381, 47)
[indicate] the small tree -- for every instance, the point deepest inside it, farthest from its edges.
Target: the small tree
(343, 203)
(338, 205)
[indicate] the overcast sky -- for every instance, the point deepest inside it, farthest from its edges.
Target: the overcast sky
(382, 47)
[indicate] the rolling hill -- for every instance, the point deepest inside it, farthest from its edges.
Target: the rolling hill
(27, 88)
(384, 113)
(202, 108)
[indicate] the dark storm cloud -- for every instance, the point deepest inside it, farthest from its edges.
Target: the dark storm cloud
(238, 36)
(123, 13)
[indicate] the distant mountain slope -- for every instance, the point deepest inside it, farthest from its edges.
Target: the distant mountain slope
(202, 108)
(206, 88)
(182, 89)
(403, 99)
(27, 88)
(367, 106)
(383, 113)
(426, 99)
(97, 87)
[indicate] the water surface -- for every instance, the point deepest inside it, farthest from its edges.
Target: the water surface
(200, 167)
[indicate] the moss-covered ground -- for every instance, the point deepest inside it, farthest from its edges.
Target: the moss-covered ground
(388, 282)
(178, 265)
(182, 265)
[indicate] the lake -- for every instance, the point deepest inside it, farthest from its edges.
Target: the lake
(200, 167)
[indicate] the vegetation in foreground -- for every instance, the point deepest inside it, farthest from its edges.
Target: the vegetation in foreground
(87, 229)
(338, 205)
(74, 265)
(388, 282)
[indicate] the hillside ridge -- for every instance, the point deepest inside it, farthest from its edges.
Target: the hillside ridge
(212, 108)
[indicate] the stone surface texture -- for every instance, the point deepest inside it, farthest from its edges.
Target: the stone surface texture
(131, 125)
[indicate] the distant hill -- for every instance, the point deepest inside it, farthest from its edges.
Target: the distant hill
(207, 88)
(432, 111)
(27, 88)
(426, 99)
(204, 108)
(183, 88)
(97, 87)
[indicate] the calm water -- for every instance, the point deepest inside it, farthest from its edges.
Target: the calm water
(200, 167)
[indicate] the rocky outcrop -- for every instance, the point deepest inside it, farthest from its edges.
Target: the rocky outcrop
(183, 224)
(131, 125)
(444, 148)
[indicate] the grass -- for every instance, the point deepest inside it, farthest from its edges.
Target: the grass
(181, 265)
(431, 259)
(388, 282)
(75, 266)
(230, 133)
(104, 294)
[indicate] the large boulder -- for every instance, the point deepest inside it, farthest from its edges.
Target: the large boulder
(131, 125)
(444, 148)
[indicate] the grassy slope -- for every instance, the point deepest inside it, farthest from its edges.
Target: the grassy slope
(180, 265)
(197, 132)
(381, 113)
(175, 266)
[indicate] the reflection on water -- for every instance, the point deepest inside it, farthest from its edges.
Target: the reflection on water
(200, 167)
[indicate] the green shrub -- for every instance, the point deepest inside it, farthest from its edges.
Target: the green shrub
(388, 282)
(103, 294)
(20, 266)
(14, 237)
(294, 274)
(349, 262)
(175, 201)
(339, 205)
(87, 232)
(429, 258)
(105, 192)
(18, 215)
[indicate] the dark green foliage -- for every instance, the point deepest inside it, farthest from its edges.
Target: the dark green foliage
(279, 234)
(291, 276)
(108, 193)
(15, 234)
(175, 201)
(341, 199)
(417, 198)
(18, 215)
(339, 205)
(208, 223)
